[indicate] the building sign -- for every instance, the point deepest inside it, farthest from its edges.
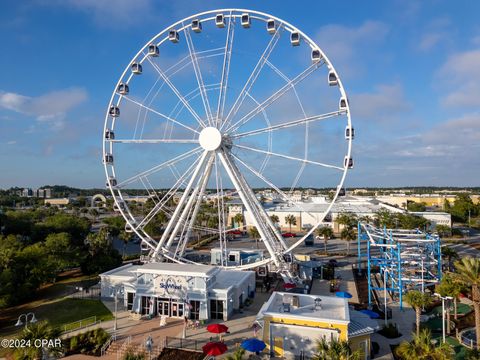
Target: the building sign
(171, 285)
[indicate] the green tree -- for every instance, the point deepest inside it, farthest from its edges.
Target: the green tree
(291, 221)
(275, 219)
(155, 225)
(254, 234)
(116, 224)
(462, 206)
(327, 233)
(467, 273)
(93, 213)
(384, 217)
(448, 287)
(443, 230)
(414, 206)
(449, 254)
(335, 350)
(347, 219)
(422, 348)
(60, 252)
(417, 300)
(348, 234)
(32, 332)
(237, 355)
(238, 219)
(126, 237)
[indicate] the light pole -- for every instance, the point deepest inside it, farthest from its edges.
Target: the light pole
(31, 321)
(116, 291)
(385, 295)
(443, 312)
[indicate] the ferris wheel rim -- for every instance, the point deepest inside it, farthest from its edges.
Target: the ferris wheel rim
(287, 26)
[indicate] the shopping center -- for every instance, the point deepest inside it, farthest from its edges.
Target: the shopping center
(199, 292)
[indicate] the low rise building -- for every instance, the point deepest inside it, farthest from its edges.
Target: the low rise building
(199, 292)
(292, 324)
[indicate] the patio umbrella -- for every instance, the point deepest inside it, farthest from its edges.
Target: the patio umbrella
(370, 313)
(253, 345)
(217, 328)
(214, 348)
(343, 294)
(289, 286)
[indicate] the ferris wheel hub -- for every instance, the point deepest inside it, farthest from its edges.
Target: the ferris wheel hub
(210, 138)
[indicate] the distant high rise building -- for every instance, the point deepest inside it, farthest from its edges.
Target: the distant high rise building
(27, 192)
(48, 193)
(41, 193)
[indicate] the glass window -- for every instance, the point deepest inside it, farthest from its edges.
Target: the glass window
(216, 309)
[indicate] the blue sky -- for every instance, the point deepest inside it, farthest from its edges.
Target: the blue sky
(411, 70)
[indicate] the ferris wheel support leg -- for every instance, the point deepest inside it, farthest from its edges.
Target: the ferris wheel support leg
(180, 205)
(234, 177)
(188, 206)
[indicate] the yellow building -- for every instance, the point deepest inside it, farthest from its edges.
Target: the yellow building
(292, 324)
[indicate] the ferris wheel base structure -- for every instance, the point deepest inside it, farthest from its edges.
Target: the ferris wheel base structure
(194, 110)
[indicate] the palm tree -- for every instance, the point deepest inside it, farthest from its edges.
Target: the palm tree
(327, 234)
(467, 272)
(417, 300)
(443, 230)
(422, 348)
(125, 237)
(237, 355)
(275, 219)
(448, 287)
(237, 219)
(348, 234)
(450, 254)
(39, 330)
(254, 234)
(290, 220)
(347, 219)
(335, 350)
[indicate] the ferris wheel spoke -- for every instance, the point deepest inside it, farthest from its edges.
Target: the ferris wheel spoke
(161, 166)
(160, 114)
(176, 92)
(221, 215)
(226, 69)
(285, 125)
(198, 74)
(274, 97)
(161, 205)
(155, 141)
(290, 157)
(252, 78)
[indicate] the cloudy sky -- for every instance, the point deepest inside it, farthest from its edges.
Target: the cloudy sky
(411, 70)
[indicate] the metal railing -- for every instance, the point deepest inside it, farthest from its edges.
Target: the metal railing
(105, 346)
(79, 324)
(180, 343)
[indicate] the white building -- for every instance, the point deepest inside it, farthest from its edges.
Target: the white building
(200, 292)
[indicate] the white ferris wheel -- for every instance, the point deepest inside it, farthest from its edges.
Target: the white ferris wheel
(213, 106)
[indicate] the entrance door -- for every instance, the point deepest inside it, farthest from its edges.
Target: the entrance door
(164, 307)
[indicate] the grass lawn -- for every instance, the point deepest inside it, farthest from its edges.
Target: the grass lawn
(63, 311)
(462, 309)
(460, 350)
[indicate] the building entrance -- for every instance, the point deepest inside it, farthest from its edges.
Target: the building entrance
(170, 307)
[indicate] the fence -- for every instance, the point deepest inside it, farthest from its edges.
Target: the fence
(80, 324)
(180, 343)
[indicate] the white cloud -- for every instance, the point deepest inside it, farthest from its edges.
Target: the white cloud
(345, 45)
(436, 32)
(11, 142)
(50, 108)
(460, 75)
(384, 103)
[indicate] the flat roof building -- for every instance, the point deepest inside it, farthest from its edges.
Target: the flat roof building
(199, 292)
(292, 324)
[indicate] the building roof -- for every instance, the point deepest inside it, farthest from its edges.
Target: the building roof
(226, 279)
(361, 324)
(333, 309)
(129, 271)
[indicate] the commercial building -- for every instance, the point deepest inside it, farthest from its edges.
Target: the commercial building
(200, 292)
(292, 324)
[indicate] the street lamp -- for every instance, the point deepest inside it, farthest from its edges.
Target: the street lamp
(443, 311)
(116, 292)
(385, 295)
(31, 321)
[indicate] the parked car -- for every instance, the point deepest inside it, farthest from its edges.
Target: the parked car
(289, 235)
(235, 232)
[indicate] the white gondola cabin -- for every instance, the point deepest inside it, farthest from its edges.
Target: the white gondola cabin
(220, 20)
(245, 20)
(114, 111)
(109, 135)
(196, 25)
(348, 162)
(349, 133)
(129, 228)
(120, 206)
(122, 89)
(295, 38)
(108, 158)
(316, 55)
(332, 78)
(136, 68)
(111, 181)
(271, 26)
(342, 103)
(153, 50)
(173, 36)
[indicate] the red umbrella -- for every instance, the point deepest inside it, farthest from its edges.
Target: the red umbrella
(214, 348)
(217, 328)
(288, 286)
